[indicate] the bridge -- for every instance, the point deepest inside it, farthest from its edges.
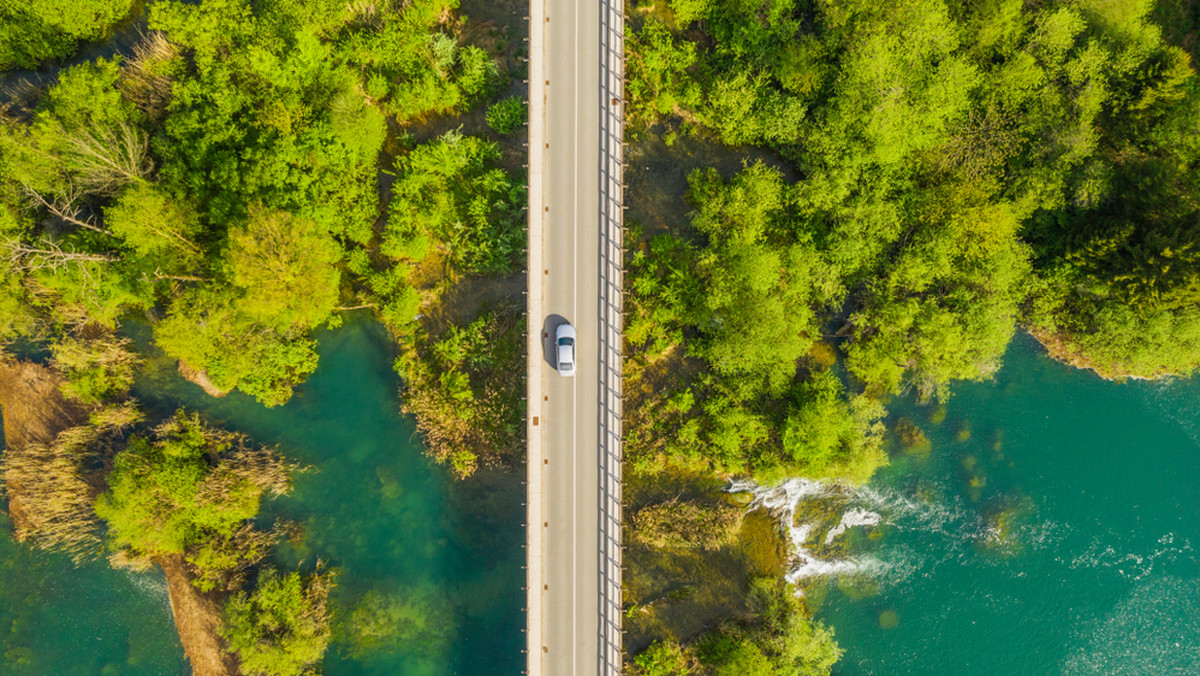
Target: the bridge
(576, 108)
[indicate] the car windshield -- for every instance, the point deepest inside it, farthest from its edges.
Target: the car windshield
(566, 341)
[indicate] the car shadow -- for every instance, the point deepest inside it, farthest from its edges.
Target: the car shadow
(548, 328)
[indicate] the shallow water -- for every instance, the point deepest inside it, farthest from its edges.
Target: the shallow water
(429, 569)
(438, 561)
(1059, 538)
(58, 619)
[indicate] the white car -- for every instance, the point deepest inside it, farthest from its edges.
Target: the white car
(564, 343)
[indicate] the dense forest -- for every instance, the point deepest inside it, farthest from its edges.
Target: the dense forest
(242, 175)
(959, 172)
(923, 179)
(248, 173)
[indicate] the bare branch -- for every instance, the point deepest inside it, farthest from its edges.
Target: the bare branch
(181, 278)
(108, 157)
(65, 208)
(48, 254)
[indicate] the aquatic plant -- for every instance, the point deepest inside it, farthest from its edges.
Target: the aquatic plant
(406, 620)
(912, 438)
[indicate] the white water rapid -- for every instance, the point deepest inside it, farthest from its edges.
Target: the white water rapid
(815, 516)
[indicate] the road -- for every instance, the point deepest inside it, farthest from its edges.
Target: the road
(576, 76)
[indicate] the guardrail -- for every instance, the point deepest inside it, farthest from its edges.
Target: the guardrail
(612, 102)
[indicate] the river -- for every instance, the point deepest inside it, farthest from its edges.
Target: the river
(430, 577)
(1052, 529)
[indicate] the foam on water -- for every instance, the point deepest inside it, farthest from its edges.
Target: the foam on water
(814, 544)
(782, 501)
(852, 518)
(1143, 634)
(1129, 564)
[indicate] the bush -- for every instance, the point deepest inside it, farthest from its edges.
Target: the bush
(282, 627)
(186, 490)
(662, 658)
(507, 115)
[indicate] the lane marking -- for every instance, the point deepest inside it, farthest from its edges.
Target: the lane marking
(575, 384)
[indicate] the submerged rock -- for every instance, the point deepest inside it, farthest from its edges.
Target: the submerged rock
(889, 619)
(200, 377)
(912, 437)
(964, 432)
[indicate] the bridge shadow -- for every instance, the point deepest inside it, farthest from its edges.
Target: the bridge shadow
(548, 328)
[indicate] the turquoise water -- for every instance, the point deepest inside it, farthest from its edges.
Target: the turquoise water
(58, 619)
(429, 569)
(1059, 538)
(430, 577)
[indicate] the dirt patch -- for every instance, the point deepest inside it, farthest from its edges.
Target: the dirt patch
(34, 412)
(199, 377)
(197, 619)
(34, 408)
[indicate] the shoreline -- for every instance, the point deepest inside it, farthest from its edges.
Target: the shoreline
(1057, 349)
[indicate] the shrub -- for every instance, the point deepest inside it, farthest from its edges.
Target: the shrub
(282, 627)
(507, 115)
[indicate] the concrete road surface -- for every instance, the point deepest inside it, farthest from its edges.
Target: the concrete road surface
(575, 277)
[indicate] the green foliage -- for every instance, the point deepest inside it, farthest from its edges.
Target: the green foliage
(287, 269)
(779, 640)
(959, 171)
(451, 191)
(282, 627)
(96, 370)
(657, 72)
(185, 487)
(662, 658)
(31, 32)
(219, 170)
(507, 115)
(208, 329)
(156, 226)
(745, 302)
(827, 436)
(466, 389)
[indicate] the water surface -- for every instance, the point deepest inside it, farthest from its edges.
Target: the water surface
(429, 569)
(59, 619)
(430, 576)
(1052, 529)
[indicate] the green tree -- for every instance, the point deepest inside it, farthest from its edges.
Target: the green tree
(451, 191)
(282, 627)
(286, 268)
(31, 32)
(188, 485)
(662, 658)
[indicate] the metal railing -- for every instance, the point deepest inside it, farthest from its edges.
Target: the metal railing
(612, 86)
